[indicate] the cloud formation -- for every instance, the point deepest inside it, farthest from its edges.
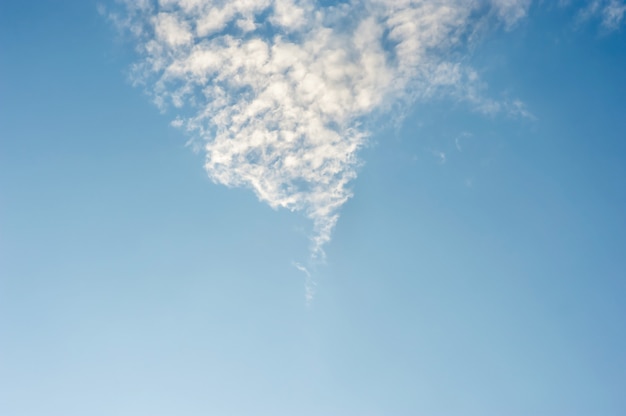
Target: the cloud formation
(278, 91)
(610, 12)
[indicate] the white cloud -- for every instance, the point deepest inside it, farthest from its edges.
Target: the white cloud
(613, 14)
(511, 11)
(461, 138)
(610, 12)
(171, 31)
(309, 283)
(277, 90)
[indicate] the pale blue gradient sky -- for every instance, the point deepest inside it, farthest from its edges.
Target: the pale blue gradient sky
(491, 284)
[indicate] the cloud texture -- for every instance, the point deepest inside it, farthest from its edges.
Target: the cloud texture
(278, 91)
(610, 12)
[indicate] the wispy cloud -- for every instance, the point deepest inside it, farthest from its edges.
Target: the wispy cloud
(611, 13)
(511, 11)
(277, 91)
(461, 138)
(309, 283)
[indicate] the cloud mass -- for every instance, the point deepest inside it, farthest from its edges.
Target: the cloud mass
(278, 92)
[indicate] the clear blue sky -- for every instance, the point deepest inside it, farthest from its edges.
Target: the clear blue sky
(479, 268)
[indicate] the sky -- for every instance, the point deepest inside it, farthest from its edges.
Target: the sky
(312, 208)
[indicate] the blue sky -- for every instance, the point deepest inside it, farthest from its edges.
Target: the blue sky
(464, 230)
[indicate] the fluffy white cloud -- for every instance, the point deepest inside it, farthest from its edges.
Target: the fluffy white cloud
(277, 90)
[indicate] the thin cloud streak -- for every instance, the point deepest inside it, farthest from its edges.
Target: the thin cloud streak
(309, 283)
(277, 91)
